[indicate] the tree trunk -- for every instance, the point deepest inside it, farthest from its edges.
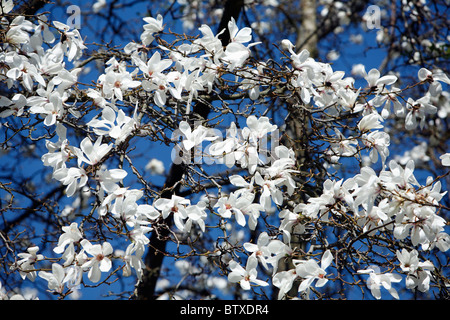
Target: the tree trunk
(307, 36)
(158, 240)
(297, 122)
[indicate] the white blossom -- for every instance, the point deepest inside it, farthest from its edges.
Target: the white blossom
(418, 109)
(71, 234)
(176, 206)
(15, 106)
(309, 270)
(55, 279)
(445, 158)
(71, 43)
(155, 166)
(418, 273)
(91, 153)
(153, 26)
(100, 261)
(374, 80)
(377, 280)
(245, 276)
(26, 264)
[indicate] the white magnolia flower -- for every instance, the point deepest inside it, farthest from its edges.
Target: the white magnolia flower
(196, 214)
(59, 151)
(26, 263)
(343, 147)
(138, 235)
(14, 106)
(209, 40)
(377, 280)
(370, 122)
(114, 84)
(194, 137)
(245, 276)
(177, 206)
(99, 262)
(118, 194)
(71, 234)
(252, 210)
(259, 127)
(148, 211)
(242, 36)
(378, 142)
(99, 5)
(418, 273)
(420, 222)
(270, 191)
(48, 103)
(18, 29)
(6, 6)
(389, 97)
(375, 82)
(418, 109)
(190, 82)
(398, 178)
(153, 68)
(74, 276)
(65, 79)
(231, 205)
(252, 80)
(236, 53)
(335, 194)
(369, 187)
(109, 178)
(97, 97)
(375, 217)
(55, 278)
(287, 45)
(246, 154)
(290, 222)
(155, 166)
(125, 208)
(310, 270)
(283, 281)
(73, 178)
(91, 153)
(445, 158)
(71, 41)
(133, 260)
(153, 26)
(434, 78)
(264, 249)
(117, 125)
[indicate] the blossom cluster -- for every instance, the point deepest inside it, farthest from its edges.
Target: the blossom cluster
(38, 63)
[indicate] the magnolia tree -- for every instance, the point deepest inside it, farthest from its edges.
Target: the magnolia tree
(214, 163)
